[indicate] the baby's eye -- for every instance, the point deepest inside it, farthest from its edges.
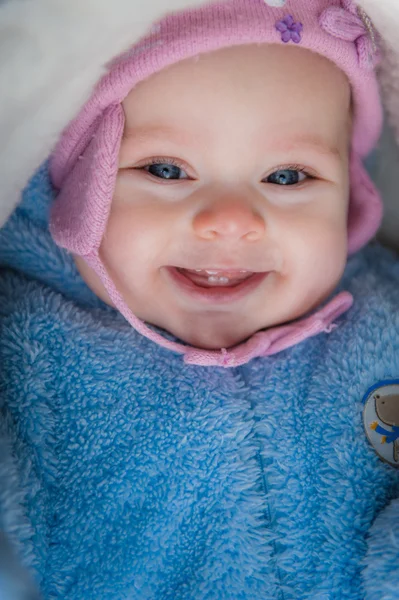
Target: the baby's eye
(286, 177)
(166, 171)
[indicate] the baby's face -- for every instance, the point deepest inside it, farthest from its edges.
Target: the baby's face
(236, 162)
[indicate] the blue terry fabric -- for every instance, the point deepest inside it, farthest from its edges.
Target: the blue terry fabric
(127, 474)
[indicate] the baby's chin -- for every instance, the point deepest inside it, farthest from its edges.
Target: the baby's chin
(213, 337)
(216, 331)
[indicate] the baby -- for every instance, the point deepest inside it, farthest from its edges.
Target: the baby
(210, 191)
(238, 213)
(231, 242)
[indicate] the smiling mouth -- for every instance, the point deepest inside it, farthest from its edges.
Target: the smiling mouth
(213, 286)
(208, 278)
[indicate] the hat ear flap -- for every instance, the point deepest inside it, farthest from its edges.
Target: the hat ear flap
(80, 212)
(365, 206)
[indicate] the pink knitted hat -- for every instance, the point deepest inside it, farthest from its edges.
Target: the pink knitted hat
(84, 164)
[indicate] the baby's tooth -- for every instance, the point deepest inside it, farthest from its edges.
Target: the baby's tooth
(213, 279)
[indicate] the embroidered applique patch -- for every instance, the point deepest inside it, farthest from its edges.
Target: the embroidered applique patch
(381, 420)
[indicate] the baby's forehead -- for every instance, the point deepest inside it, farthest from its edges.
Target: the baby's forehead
(262, 69)
(273, 99)
(243, 63)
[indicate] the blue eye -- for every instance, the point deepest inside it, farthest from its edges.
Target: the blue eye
(166, 171)
(286, 177)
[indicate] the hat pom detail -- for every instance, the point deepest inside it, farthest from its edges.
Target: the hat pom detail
(352, 25)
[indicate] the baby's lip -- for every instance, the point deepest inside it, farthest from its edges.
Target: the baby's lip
(220, 271)
(207, 277)
(197, 289)
(216, 270)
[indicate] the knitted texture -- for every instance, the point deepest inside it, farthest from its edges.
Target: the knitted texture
(136, 476)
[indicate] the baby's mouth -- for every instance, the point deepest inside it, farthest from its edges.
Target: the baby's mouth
(215, 278)
(215, 286)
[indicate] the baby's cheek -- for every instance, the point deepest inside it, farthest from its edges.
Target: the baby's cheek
(318, 254)
(331, 250)
(132, 249)
(122, 235)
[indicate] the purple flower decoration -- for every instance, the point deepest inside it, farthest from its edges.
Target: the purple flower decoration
(289, 29)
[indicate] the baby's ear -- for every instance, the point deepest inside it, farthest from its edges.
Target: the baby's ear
(56, 52)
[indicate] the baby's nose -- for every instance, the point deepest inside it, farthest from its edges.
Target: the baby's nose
(229, 220)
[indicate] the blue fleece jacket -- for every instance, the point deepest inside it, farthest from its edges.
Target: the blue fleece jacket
(126, 474)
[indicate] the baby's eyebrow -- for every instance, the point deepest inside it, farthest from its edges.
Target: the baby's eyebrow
(313, 143)
(284, 144)
(157, 132)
